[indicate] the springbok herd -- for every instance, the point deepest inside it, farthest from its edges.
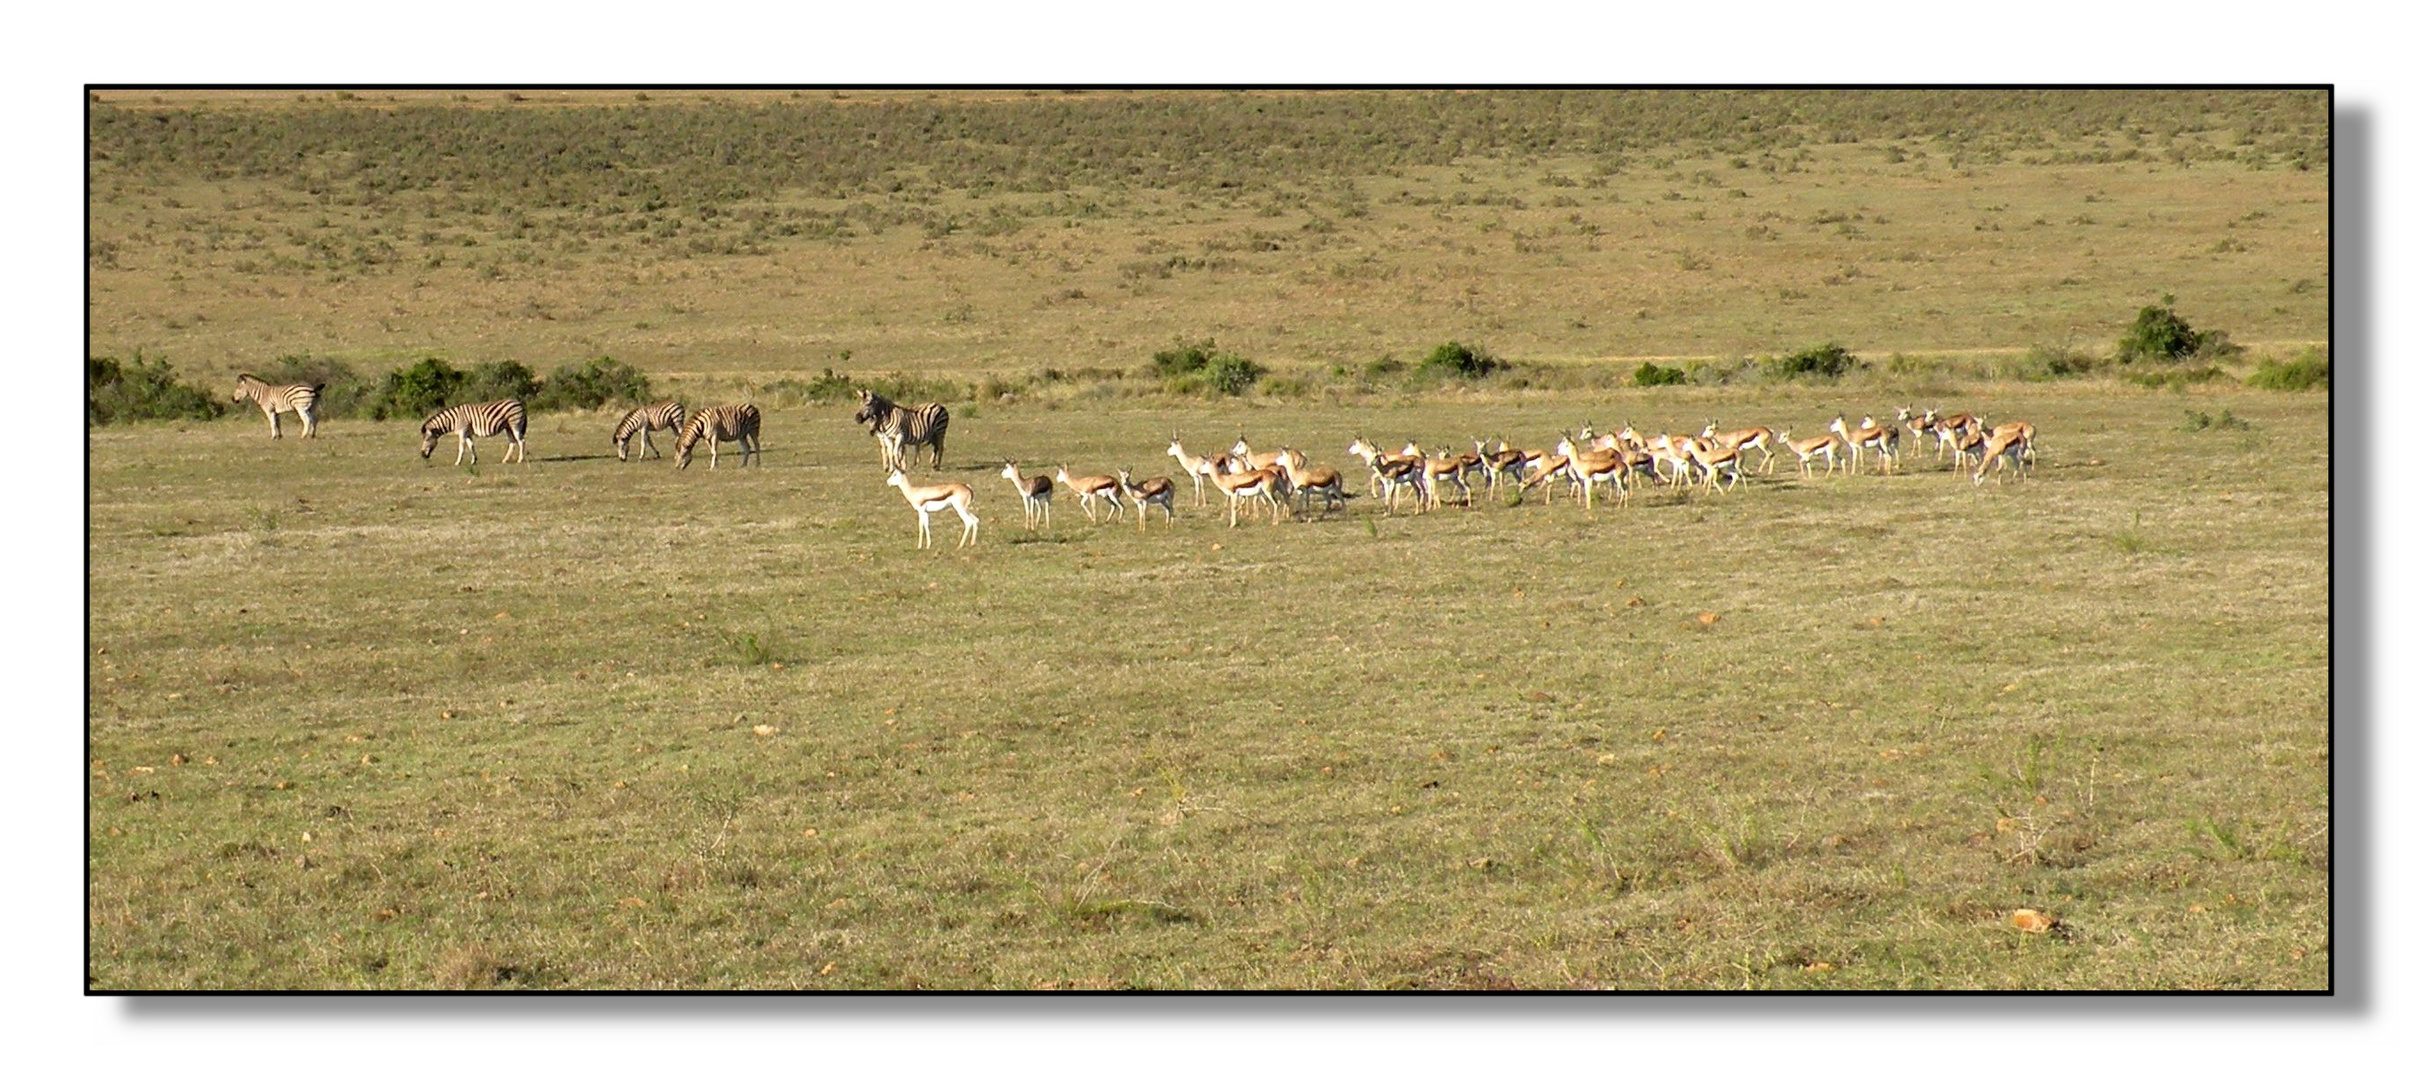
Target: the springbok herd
(1285, 482)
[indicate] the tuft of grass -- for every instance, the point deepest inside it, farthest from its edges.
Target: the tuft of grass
(2225, 841)
(753, 648)
(2129, 540)
(2224, 420)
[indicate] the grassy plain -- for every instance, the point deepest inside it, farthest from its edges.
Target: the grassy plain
(356, 721)
(503, 727)
(1993, 235)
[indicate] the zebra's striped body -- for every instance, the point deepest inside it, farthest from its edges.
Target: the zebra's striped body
(642, 422)
(297, 398)
(897, 427)
(722, 423)
(508, 418)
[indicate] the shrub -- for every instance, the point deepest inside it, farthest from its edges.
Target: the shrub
(827, 388)
(497, 380)
(418, 390)
(594, 384)
(1650, 375)
(1198, 366)
(1230, 374)
(2313, 368)
(1184, 359)
(1829, 360)
(1461, 361)
(2158, 334)
(141, 389)
(343, 392)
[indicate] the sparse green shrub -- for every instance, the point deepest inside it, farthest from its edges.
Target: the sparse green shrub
(594, 384)
(1650, 375)
(1231, 375)
(827, 388)
(2178, 379)
(2058, 361)
(1829, 361)
(141, 389)
(418, 390)
(1183, 359)
(2314, 368)
(1193, 367)
(1461, 361)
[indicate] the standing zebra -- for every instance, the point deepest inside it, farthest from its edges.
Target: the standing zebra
(508, 418)
(300, 399)
(722, 423)
(642, 422)
(920, 426)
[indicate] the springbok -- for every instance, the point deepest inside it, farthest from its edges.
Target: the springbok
(1551, 467)
(1744, 439)
(1307, 481)
(1198, 468)
(1434, 467)
(1870, 434)
(1389, 473)
(1823, 446)
(935, 497)
(1260, 484)
(1589, 468)
(1035, 491)
(1094, 488)
(2005, 446)
(1157, 491)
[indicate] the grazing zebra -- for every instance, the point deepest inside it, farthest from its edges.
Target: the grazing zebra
(642, 422)
(508, 418)
(919, 426)
(297, 398)
(733, 423)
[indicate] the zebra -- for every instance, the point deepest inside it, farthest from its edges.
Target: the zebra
(508, 418)
(732, 423)
(919, 426)
(642, 422)
(298, 398)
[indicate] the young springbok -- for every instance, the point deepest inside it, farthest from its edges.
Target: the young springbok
(1035, 491)
(1157, 491)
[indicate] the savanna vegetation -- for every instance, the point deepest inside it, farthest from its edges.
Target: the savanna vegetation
(357, 721)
